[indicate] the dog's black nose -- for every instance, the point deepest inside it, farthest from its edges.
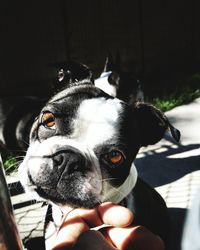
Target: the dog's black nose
(70, 160)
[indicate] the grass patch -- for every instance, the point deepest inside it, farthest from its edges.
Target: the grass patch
(9, 161)
(173, 100)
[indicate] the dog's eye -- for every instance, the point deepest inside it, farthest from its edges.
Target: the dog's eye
(48, 120)
(114, 157)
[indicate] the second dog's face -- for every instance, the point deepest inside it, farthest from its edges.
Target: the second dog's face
(81, 149)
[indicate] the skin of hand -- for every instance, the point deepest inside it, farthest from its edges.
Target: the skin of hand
(75, 232)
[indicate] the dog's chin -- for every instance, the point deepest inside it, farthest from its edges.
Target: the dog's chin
(72, 200)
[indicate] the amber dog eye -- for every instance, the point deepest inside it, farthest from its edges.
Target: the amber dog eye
(48, 120)
(115, 157)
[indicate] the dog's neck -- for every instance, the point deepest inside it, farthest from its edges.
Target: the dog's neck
(116, 195)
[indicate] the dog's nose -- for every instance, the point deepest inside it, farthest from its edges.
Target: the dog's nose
(69, 161)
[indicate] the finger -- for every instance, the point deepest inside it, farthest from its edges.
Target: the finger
(91, 240)
(90, 216)
(70, 230)
(77, 222)
(137, 238)
(80, 220)
(107, 213)
(115, 215)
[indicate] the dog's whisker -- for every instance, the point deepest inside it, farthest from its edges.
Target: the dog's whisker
(19, 157)
(119, 191)
(14, 165)
(19, 161)
(99, 203)
(25, 142)
(19, 151)
(106, 179)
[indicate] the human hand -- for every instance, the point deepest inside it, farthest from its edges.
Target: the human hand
(75, 232)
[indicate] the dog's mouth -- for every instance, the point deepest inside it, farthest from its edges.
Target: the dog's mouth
(89, 200)
(63, 175)
(75, 190)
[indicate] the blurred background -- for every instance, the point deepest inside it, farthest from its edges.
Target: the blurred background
(158, 42)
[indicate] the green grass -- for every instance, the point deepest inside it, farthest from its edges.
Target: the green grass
(9, 161)
(173, 100)
(10, 164)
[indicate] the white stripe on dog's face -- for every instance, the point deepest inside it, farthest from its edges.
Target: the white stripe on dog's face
(96, 121)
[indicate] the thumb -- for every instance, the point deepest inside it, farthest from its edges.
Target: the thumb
(138, 238)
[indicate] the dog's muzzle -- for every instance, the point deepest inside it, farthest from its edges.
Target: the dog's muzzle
(64, 175)
(69, 161)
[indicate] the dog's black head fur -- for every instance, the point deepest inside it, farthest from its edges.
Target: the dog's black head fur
(71, 72)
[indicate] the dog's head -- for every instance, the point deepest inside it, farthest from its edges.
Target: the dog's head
(83, 144)
(69, 73)
(119, 83)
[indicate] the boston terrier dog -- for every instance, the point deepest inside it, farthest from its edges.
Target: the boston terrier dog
(81, 154)
(119, 83)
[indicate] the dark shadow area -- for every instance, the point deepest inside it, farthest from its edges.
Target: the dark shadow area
(177, 217)
(15, 188)
(157, 169)
(35, 243)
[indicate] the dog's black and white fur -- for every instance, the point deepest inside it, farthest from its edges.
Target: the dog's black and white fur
(73, 142)
(119, 83)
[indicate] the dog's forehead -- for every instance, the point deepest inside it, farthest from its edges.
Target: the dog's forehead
(100, 110)
(97, 121)
(92, 116)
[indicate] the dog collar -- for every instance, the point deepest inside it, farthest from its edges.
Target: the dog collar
(118, 194)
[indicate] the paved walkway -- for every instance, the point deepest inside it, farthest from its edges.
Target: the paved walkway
(29, 214)
(173, 169)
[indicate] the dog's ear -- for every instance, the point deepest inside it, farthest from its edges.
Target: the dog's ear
(71, 72)
(114, 78)
(153, 124)
(118, 61)
(109, 63)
